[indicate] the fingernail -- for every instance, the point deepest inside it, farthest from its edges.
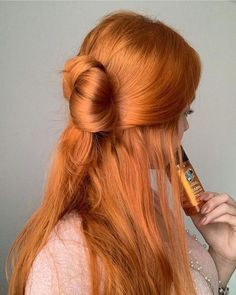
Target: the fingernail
(203, 220)
(201, 195)
(204, 209)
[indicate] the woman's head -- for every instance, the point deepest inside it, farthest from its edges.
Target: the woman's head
(147, 71)
(131, 71)
(128, 89)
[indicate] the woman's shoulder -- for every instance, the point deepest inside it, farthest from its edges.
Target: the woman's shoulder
(68, 229)
(202, 265)
(61, 266)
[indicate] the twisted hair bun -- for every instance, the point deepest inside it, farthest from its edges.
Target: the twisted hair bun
(87, 87)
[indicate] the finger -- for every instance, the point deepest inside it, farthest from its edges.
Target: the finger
(209, 195)
(215, 202)
(226, 218)
(222, 209)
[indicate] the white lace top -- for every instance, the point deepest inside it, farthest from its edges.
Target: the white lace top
(61, 267)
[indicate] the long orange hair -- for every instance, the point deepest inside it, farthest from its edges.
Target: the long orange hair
(126, 89)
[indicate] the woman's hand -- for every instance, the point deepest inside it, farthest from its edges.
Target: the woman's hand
(217, 224)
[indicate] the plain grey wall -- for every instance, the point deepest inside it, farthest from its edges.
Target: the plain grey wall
(36, 39)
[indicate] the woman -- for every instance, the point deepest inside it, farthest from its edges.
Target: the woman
(101, 228)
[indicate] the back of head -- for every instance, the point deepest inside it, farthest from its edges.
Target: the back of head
(141, 67)
(126, 89)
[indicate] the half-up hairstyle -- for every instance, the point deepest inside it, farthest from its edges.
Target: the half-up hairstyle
(126, 89)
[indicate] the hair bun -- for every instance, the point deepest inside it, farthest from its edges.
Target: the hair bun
(87, 87)
(74, 68)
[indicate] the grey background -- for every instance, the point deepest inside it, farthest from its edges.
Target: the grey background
(36, 38)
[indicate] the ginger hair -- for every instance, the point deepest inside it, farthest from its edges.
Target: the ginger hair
(126, 88)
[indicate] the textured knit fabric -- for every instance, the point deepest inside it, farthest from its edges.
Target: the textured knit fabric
(61, 267)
